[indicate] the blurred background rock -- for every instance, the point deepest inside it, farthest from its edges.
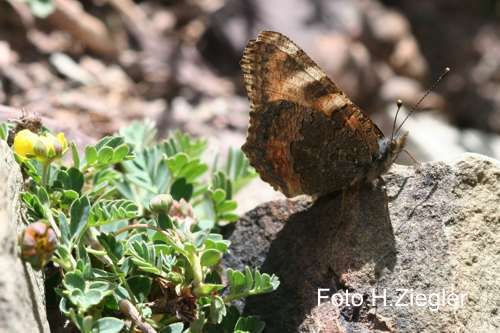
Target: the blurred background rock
(91, 66)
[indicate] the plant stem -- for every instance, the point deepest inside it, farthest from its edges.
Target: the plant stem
(45, 173)
(230, 298)
(194, 260)
(53, 223)
(128, 309)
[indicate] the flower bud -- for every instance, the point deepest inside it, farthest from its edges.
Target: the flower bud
(181, 209)
(38, 243)
(161, 203)
(40, 149)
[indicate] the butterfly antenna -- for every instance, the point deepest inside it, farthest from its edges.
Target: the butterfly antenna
(399, 103)
(428, 91)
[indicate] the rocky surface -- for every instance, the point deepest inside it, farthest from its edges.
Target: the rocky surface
(434, 227)
(22, 304)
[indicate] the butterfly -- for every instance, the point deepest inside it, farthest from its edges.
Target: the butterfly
(305, 135)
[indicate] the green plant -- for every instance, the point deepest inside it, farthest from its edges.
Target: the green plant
(137, 227)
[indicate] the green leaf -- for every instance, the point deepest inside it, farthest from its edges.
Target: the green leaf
(113, 248)
(105, 155)
(249, 324)
(148, 258)
(68, 196)
(108, 211)
(4, 130)
(227, 206)
(197, 325)
(74, 280)
(251, 283)
(164, 221)
(218, 195)
(76, 179)
(99, 285)
(109, 150)
(120, 153)
(79, 215)
(87, 323)
(71, 179)
(230, 217)
(210, 257)
(219, 244)
(248, 278)
(193, 170)
(238, 169)
(90, 154)
(180, 189)
(108, 325)
(229, 321)
(221, 181)
(173, 328)
(177, 162)
(75, 155)
(121, 293)
(87, 299)
(64, 307)
(236, 280)
(139, 135)
(140, 286)
(217, 310)
(180, 142)
(35, 208)
(42, 195)
(64, 227)
(145, 176)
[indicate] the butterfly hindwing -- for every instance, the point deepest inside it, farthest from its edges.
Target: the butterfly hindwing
(303, 128)
(299, 150)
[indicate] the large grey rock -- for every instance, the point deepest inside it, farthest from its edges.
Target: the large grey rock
(22, 304)
(434, 228)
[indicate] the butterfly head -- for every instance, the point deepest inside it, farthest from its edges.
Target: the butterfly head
(389, 149)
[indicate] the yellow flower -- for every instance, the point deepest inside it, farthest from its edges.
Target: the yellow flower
(24, 143)
(45, 147)
(62, 140)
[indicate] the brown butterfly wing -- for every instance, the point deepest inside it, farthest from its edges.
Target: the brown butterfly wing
(305, 135)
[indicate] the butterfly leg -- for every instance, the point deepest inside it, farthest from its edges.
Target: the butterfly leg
(415, 161)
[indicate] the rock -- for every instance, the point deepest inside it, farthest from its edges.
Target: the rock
(435, 227)
(22, 301)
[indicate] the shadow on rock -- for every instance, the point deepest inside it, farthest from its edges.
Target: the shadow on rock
(319, 247)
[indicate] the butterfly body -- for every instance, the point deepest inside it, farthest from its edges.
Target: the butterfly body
(305, 135)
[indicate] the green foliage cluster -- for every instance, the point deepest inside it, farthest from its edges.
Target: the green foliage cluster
(139, 221)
